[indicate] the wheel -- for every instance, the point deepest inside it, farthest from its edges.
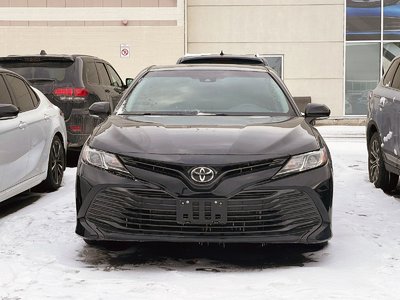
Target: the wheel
(378, 175)
(56, 166)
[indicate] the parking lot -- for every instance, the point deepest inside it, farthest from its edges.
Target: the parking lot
(42, 258)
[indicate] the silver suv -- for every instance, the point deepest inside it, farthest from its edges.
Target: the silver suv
(383, 130)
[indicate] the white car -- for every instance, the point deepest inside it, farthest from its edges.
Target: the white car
(33, 138)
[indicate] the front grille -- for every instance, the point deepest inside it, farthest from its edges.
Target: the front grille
(154, 166)
(182, 171)
(249, 213)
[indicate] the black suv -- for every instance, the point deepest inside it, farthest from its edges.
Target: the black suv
(73, 83)
(383, 130)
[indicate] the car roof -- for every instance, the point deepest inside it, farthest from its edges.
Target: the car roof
(36, 58)
(43, 56)
(211, 67)
(223, 59)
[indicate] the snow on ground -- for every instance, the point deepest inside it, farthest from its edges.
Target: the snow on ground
(42, 258)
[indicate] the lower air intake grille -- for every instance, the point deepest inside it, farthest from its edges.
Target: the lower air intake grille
(250, 213)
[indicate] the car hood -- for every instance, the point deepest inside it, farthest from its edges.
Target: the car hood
(204, 135)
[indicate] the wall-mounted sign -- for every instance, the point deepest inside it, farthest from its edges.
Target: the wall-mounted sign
(125, 51)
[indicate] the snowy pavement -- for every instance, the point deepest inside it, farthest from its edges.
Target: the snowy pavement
(42, 258)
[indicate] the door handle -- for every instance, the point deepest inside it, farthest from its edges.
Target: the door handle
(382, 102)
(22, 125)
(107, 91)
(46, 117)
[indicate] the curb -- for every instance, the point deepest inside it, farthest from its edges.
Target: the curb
(347, 121)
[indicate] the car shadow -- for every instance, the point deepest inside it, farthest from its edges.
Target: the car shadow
(72, 158)
(395, 193)
(196, 257)
(18, 202)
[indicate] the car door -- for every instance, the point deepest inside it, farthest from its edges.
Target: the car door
(110, 83)
(105, 81)
(117, 85)
(15, 144)
(392, 111)
(32, 124)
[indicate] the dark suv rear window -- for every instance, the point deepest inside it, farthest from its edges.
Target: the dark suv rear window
(45, 74)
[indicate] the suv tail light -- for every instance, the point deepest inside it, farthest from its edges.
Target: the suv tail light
(70, 93)
(75, 128)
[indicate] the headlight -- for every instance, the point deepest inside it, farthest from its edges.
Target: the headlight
(103, 160)
(304, 162)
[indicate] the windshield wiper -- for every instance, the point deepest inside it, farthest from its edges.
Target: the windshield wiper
(160, 113)
(200, 113)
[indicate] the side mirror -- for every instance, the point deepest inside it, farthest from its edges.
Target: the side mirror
(315, 111)
(8, 111)
(128, 81)
(100, 109)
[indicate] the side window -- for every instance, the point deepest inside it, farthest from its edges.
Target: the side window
(388, 79)
(91, 73)
(21, 93)
(396, 80)
(104, 79)
(5, 97)
(35, 97)
(115, 79)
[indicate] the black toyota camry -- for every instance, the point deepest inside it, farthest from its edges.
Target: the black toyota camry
(205, 153)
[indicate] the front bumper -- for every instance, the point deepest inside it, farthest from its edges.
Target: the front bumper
(295, 209)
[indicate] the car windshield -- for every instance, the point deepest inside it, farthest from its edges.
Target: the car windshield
(225, 92)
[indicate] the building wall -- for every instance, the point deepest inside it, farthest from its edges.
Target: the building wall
(309, 33)
(153, 29)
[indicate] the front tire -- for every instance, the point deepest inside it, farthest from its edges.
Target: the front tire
(56, 166)
(378, 174)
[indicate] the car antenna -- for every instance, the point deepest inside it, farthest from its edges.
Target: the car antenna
(43, 52)
(222, 53)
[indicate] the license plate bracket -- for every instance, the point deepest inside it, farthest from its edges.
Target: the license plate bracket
(201, 211)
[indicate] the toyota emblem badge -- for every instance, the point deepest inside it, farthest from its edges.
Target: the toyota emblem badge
(202, 174)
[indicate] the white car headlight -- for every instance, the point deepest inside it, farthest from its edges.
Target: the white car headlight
(103, 160)
(304, 162)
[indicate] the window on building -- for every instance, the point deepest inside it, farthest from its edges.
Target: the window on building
(363, 20)
(391, 19)
(276, 63)
(370, 48)
(390, 51)
(362, 75)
